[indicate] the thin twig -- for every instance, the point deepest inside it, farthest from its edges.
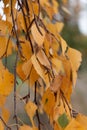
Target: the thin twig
(15, 100)
(8, 128)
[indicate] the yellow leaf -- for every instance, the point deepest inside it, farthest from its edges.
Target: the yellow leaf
(66, 85)
(38, 34)
(82, 120)
(25, 48)
(31, 109)
(74, 125)
(5, 47)
(57, 66)
(26, 127)
(43, 59)
(6, 81)
(6, 2)
(5, 27)
(2, 100)
(75, 60)
(1, 126)
(37, 67)
(20, 22)
(33, 77)
(48, 101)
(35, 7)
(55, 6)
(57, 127)
(63, 45)
(20, 71)
(5, 114)
(26, 67)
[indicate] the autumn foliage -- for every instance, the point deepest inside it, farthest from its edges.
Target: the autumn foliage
(43, 61)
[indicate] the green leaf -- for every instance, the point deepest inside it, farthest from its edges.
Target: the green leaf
(63, 120)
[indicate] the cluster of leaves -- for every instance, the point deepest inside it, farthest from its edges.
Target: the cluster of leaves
(43, 60)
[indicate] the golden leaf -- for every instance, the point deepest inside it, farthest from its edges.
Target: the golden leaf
(38, 34)
(5, 27)
(74, 125)
(31, 109)
(37, 67)
(2, 100)
(43, 59)
(57, 127)
(57, 66)
(75, 60)
(1, 126)
(56, 83)
(25, 48)
(20, 22)
(26, 67)
(82, 120)
(66, 85)
(27, 127)
(5, 46)
(20, 71)
(5, 114)
(6, 81)
(33, 77)
(48, 101)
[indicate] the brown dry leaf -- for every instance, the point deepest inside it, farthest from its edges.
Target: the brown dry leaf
(48, 101)
(31, 109)
(5, 45)
(55, 85)
(5, 114)
(1, 125)
(74, 125)
(37, 67)
(6, 81)
(82, 120)
(38, 34)
(43, 59)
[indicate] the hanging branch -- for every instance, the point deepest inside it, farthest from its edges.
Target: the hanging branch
(15, 100)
